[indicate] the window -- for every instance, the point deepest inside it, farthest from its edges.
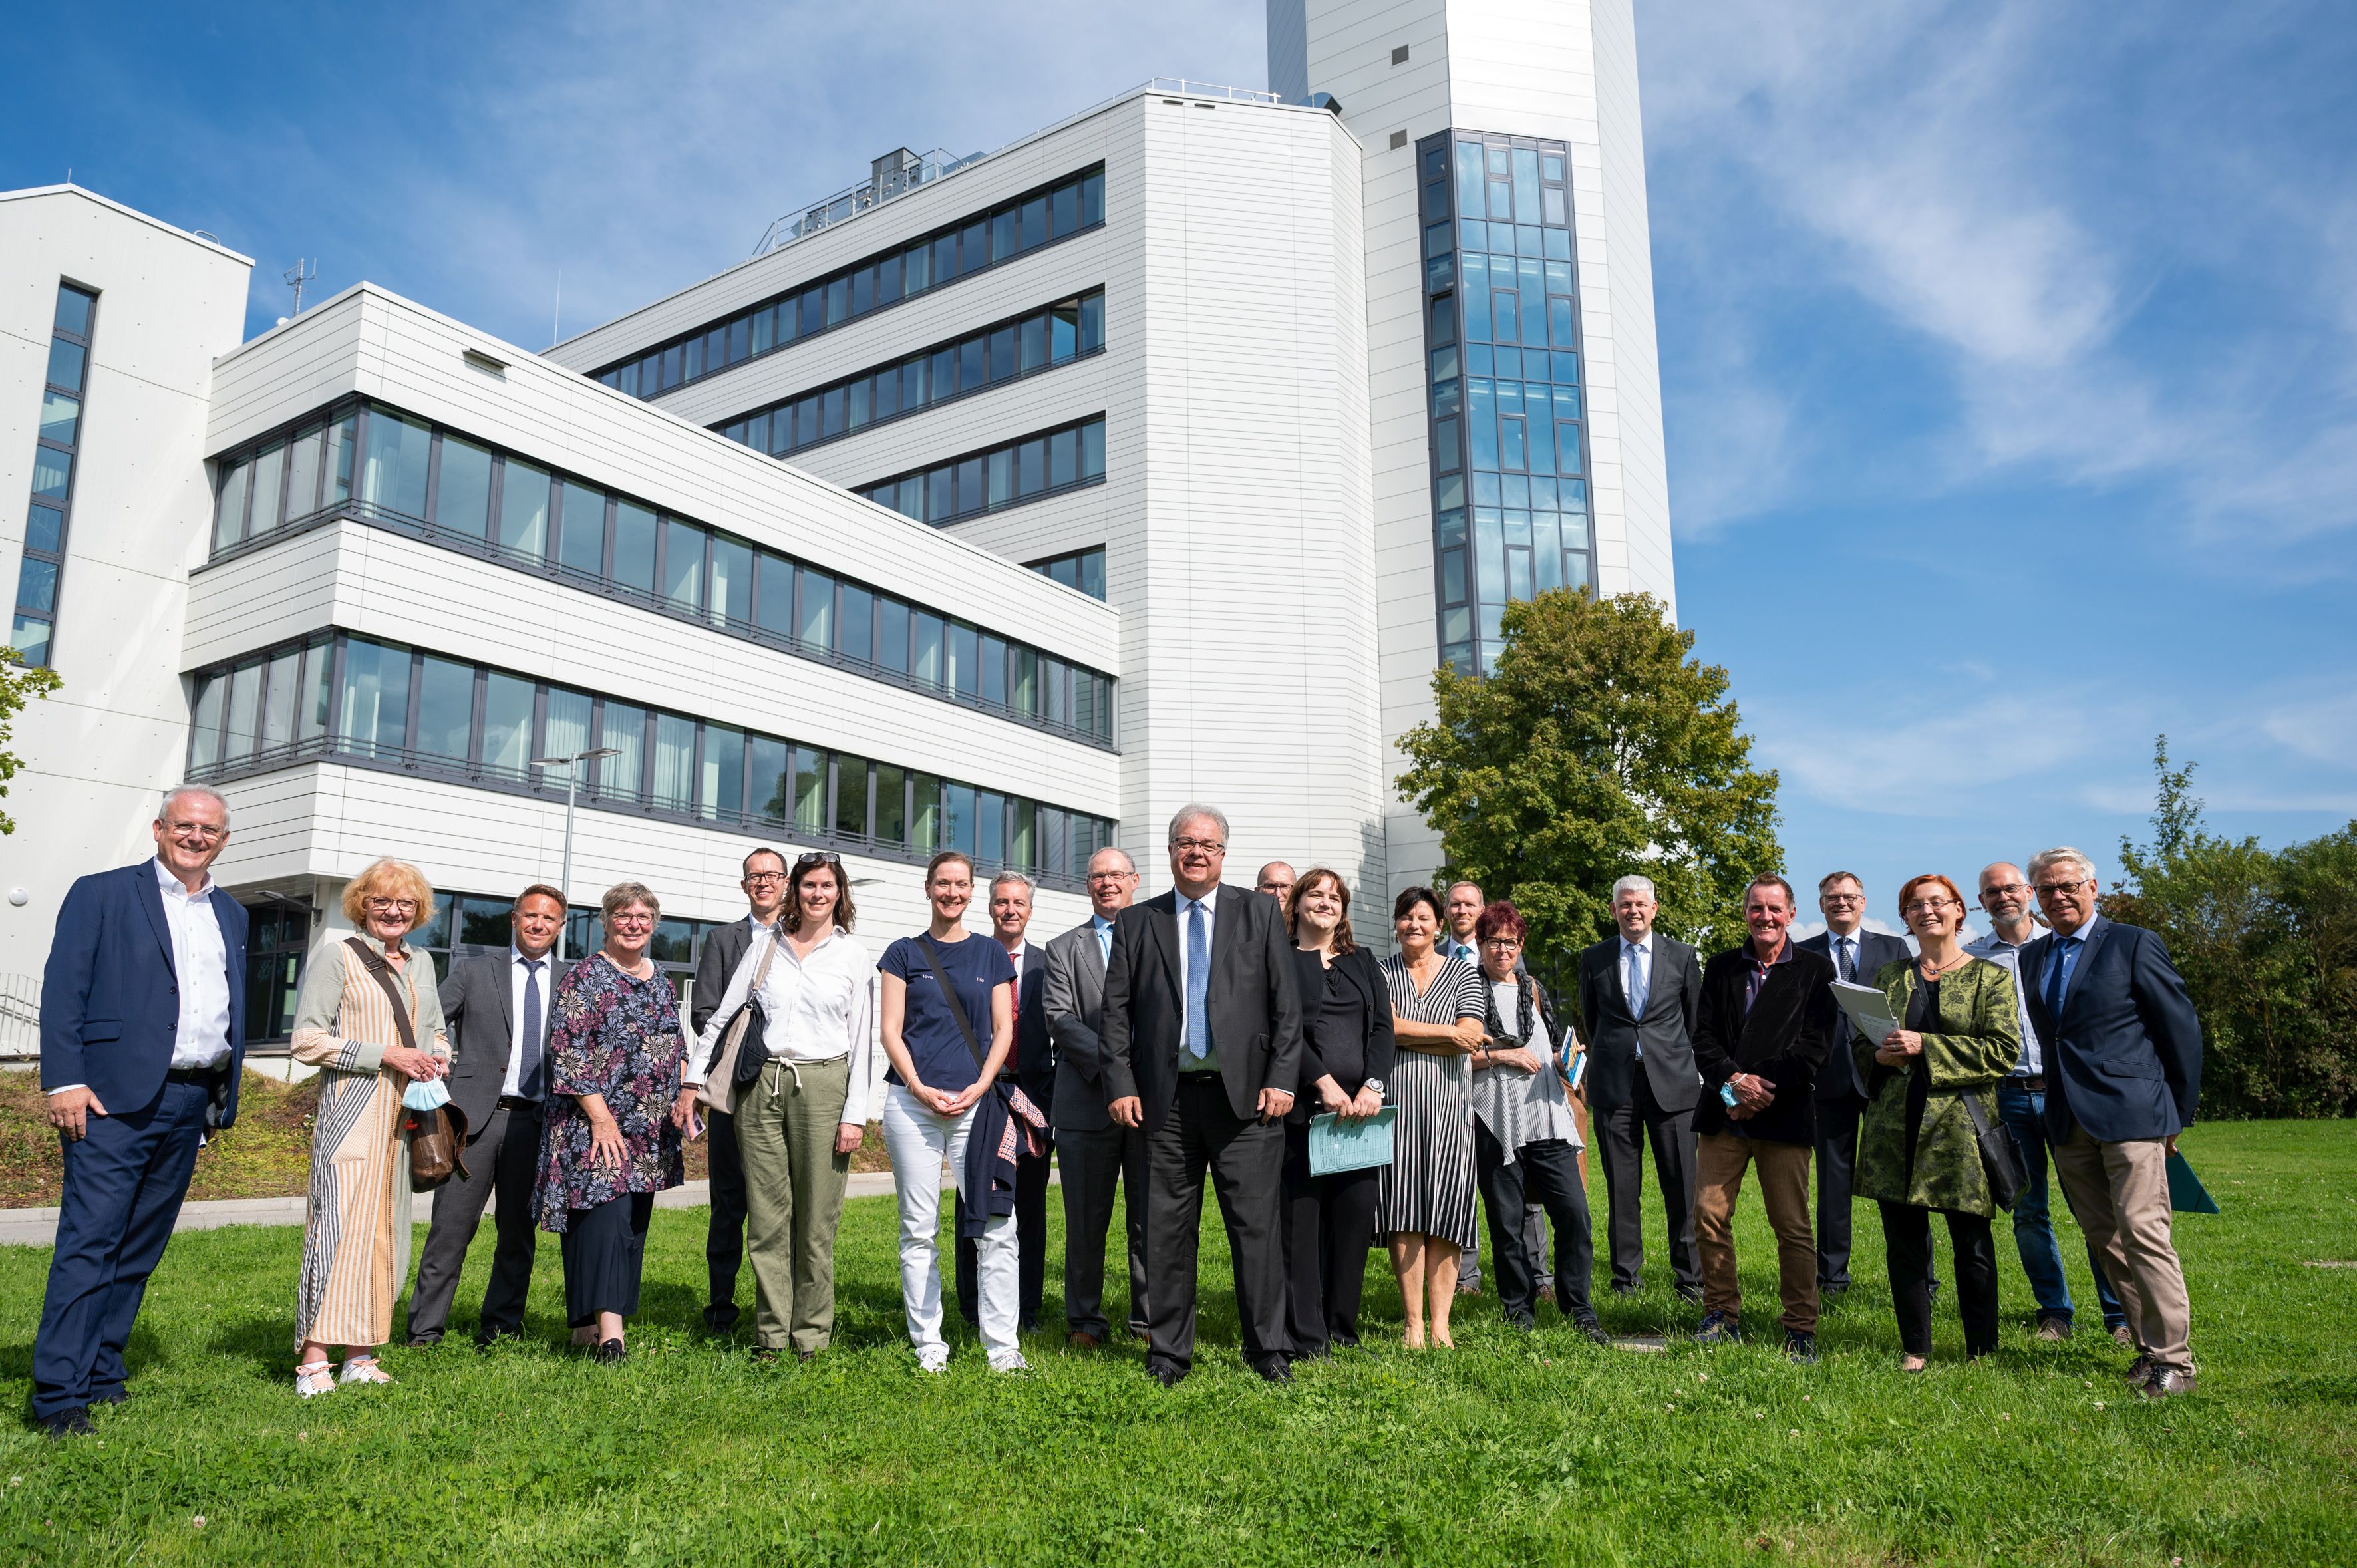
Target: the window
(55, 443)
(277, 935)
(1082, 569)
(393, 474)
(462, 498)
(1042, 465)
(372, 713)
(1011, 229)
(620, 776)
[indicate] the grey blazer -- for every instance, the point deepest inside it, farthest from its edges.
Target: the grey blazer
(478, 1008)
(1074, 997)
(1673, 1003)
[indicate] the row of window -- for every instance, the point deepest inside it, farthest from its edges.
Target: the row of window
(1057, 335)
(1082, 569)
(335, 694)
(1502, 336)
(997, 476)
(983, 240)
(54, 450)
(407, 474)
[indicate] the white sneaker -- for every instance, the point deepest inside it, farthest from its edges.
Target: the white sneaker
(1008, 1361)
(313, 1379)
(362, 1369)
(933, 1358)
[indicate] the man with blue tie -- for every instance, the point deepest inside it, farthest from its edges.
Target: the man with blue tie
(497, 1011)
(1096, 1153)
(1201, 1039)
(143, 1038)
(2123, 1076)
(1857, 954)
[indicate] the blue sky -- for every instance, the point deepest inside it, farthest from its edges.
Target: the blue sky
(2008, 347)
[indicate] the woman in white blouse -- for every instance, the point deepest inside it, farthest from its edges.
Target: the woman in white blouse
(801, 1115)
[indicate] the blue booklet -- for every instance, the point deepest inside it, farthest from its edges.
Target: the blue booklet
(2186, 1193)
(1339, 1145)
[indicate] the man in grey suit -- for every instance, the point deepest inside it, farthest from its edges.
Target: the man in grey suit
(1639, 992)
(764, 883)
(1857, 954)
(497, 1010)
(1201, 1033)
(1095, 1150)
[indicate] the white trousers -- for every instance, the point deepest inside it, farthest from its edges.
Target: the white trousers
(918, 1139)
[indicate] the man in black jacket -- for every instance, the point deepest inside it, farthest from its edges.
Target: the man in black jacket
(497, 1011)
(1203, 1047)
(1640, 994)
(1765, 1020)
(1857, 954)
(724, 1242)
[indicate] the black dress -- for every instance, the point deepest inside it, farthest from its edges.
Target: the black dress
(1330, 1220)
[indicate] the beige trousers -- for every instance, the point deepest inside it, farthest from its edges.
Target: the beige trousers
(2119, 1195)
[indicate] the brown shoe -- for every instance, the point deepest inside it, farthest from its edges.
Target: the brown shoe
(2052, 1330)
(2123, 1336)
(2166, 1382)
(1546, 1295)
(1081, 1339)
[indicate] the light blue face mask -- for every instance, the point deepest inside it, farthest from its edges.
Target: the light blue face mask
(428, 1094)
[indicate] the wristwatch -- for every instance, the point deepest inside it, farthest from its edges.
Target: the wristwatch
(1378, 1085)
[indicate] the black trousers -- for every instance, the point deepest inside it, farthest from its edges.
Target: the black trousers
(1836, 1177)
(1545, 1170)
(1246, 1160)
(502, 1159)
(1330, 1224)
(1094, 1161)
(1620, 1136)
(724, 1242)
(1906, 1242)
(605, 1251)
(1030, 1240)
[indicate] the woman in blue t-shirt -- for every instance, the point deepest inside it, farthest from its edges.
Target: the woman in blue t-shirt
(934, 1082)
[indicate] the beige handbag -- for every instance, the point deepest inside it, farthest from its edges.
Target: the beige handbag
(719, 1091)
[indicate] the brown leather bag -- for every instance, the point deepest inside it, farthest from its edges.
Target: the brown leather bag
(436, 1137)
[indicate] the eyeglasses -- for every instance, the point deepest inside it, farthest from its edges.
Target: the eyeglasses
(1925, 906)
(1501, 941)
(630, 922)
(763, 878)
(205, 831)
(1115, 877)
(1206, 846)
(2050, 889)
(393, 905)
(1841, 897)
(2003, 888)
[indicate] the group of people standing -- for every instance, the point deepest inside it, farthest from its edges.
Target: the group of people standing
(1195, 1035)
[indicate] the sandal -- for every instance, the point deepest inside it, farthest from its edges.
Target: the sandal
(314, 1378)
(362, 1369)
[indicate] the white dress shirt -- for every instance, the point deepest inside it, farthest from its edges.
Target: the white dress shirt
(201, 963)
(818, 1008)
(1014, 956)
(517, 972)
(1997, 950)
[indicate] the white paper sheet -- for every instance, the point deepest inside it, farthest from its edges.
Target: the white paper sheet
(1867, 1009)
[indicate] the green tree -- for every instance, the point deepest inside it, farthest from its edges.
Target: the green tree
(19, 684)
(1597, 748)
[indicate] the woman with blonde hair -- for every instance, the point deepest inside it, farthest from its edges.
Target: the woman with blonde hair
(370, 1018)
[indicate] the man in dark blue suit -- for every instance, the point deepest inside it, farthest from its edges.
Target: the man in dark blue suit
(2123, 1074)
(1857, 954)
(1032, 1064)
(143, 1036)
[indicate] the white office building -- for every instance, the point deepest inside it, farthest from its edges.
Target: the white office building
(1006, 502)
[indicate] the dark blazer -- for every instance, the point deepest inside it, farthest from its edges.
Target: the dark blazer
(1838, 1077)
(1255, 1010)
(1783, 1039)
(1673, 1009)
(1072, 999)
(1033, 1061)
(2124, 1059)
(110, 997)
(1350, 1061)
(479, 1009)
(723, 950)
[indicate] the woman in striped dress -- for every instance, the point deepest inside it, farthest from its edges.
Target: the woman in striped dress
(355, 1231)
(1427, 1200)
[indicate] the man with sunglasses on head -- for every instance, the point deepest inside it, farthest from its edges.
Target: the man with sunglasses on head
(723, 1244)
(143, 1036)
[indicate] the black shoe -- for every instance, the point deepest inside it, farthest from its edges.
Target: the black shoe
(1164, 1373)
(1624, 1291)
(1592, 1331)
(1275, 1369)
(1027, 1326)
(424, 1341)
(1800, 1349)
(74, 1422)
(1521, 1321)
(611, 1352)
(1718, 1329)
(112, 1396)
(1828, 1295)
(1690, 1294)
(721, 1317)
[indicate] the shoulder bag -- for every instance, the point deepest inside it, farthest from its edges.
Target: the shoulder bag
(435, 1137)
(2000, 1156)
(949, 994)
(744, 1049)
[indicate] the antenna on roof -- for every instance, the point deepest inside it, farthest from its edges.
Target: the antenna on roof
(299, 274)
(556, 322)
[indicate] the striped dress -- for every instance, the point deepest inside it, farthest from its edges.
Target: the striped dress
(1428, 1188)
(356, 1230)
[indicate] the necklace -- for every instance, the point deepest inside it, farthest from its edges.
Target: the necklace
(1933, 972)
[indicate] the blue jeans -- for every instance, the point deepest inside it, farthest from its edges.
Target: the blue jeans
(2024, 1110)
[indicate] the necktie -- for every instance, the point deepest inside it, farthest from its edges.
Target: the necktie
(2058, 958)
(534, 1047)
(1846, 963)
(1105, 943)
(1637, 988)
(1198, 982)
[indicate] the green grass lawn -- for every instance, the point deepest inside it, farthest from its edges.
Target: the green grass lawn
(1515, 1449)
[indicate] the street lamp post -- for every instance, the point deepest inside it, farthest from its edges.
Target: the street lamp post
(571, 766)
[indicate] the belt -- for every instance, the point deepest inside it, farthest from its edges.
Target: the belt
(517, 1103)
(204, 1075)
(2028, 1082)
(1198, 1077)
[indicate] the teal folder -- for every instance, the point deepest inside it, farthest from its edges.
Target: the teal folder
(2186, 1193)
(1339, 1145)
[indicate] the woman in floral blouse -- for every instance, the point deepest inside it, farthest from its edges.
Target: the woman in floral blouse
(610, 1139)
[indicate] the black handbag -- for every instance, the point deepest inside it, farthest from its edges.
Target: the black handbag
(2000, 1154)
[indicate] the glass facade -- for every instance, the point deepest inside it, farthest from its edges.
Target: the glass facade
(975, 482)
(357, 700)
(1502, 339)
(433, 484)
(972, 244)
(1001, 352)
(1082, 569)
(55, 449)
